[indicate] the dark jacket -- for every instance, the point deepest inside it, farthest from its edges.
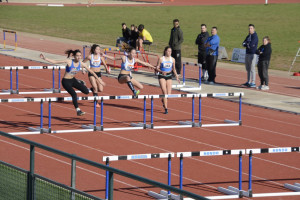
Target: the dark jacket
(126, 33)
(250, 43)
(200, 40)
(266, 52)
(176, 38)
(134, 35)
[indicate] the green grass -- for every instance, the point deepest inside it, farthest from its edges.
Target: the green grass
(103, 24)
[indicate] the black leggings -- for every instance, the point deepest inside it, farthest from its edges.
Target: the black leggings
(69, 84)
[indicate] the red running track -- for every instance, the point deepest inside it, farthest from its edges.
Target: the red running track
(261, 128)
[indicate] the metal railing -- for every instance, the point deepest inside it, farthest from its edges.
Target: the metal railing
(111, 170)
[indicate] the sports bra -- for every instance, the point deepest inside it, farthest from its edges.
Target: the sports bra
(127, 66)
(95, 63)
(72, 69)
(166, 66)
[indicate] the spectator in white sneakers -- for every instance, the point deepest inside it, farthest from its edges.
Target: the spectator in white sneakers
(264, 52)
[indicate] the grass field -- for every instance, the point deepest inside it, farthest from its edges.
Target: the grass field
(103, 24)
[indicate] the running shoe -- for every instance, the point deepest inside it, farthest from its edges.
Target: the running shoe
(136, 93)
(166, 111)
(211, 83)
(265, 87)
(246, 84)
(252, 85)
(80, 113)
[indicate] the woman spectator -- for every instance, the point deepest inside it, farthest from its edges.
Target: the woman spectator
(264, 52)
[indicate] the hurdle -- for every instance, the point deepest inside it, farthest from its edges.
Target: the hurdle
(183, 86)
(133, 126)
(231, 190)
(46, 91)
(169, 155)
(4, 40)
(295, 187)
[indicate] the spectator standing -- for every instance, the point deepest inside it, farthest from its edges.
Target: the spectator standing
(200, 41)
(264, 52)
(212, 47)
(250, 43)
(144, 37)
(176, 39)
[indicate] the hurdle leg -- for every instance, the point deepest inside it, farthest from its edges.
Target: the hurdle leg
(59, 73)
(107, 180)
(11, 84)
(101, 126)
(145, 125)
(95, 113)
(152, 126)
(169, 173)
(49, 116)
(193, 111)
(240, 110)
(181, 171)
(240, 175)
(250, 175)
(16, 44)
(4, 39)
(17, 82)
(200, 110)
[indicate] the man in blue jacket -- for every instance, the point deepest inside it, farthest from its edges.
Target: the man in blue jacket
(250, 43)
(212, 47)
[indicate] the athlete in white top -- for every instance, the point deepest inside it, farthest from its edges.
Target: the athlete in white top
(69, 81)
(95, 64)
(126, 68)
(166, 65)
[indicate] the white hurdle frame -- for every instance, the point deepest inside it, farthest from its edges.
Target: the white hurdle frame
(46, 91)
(89, 128)
(183, 86)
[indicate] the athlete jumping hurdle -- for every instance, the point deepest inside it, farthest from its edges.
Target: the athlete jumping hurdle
(69, 81)
(126, 67)
(95, 63)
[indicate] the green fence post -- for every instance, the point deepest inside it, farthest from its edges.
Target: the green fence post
(30, 176)
(73, 178)
(111, 186)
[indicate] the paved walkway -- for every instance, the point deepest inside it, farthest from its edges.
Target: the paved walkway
(31, 45)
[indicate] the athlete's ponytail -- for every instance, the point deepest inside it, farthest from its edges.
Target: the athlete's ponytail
(72, 52)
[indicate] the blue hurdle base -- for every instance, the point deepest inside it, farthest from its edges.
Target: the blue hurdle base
(140, 125)
(39, 129)
(234, 191)
(9, 91)
(197, 124)
(295, 187)
(52, 90)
